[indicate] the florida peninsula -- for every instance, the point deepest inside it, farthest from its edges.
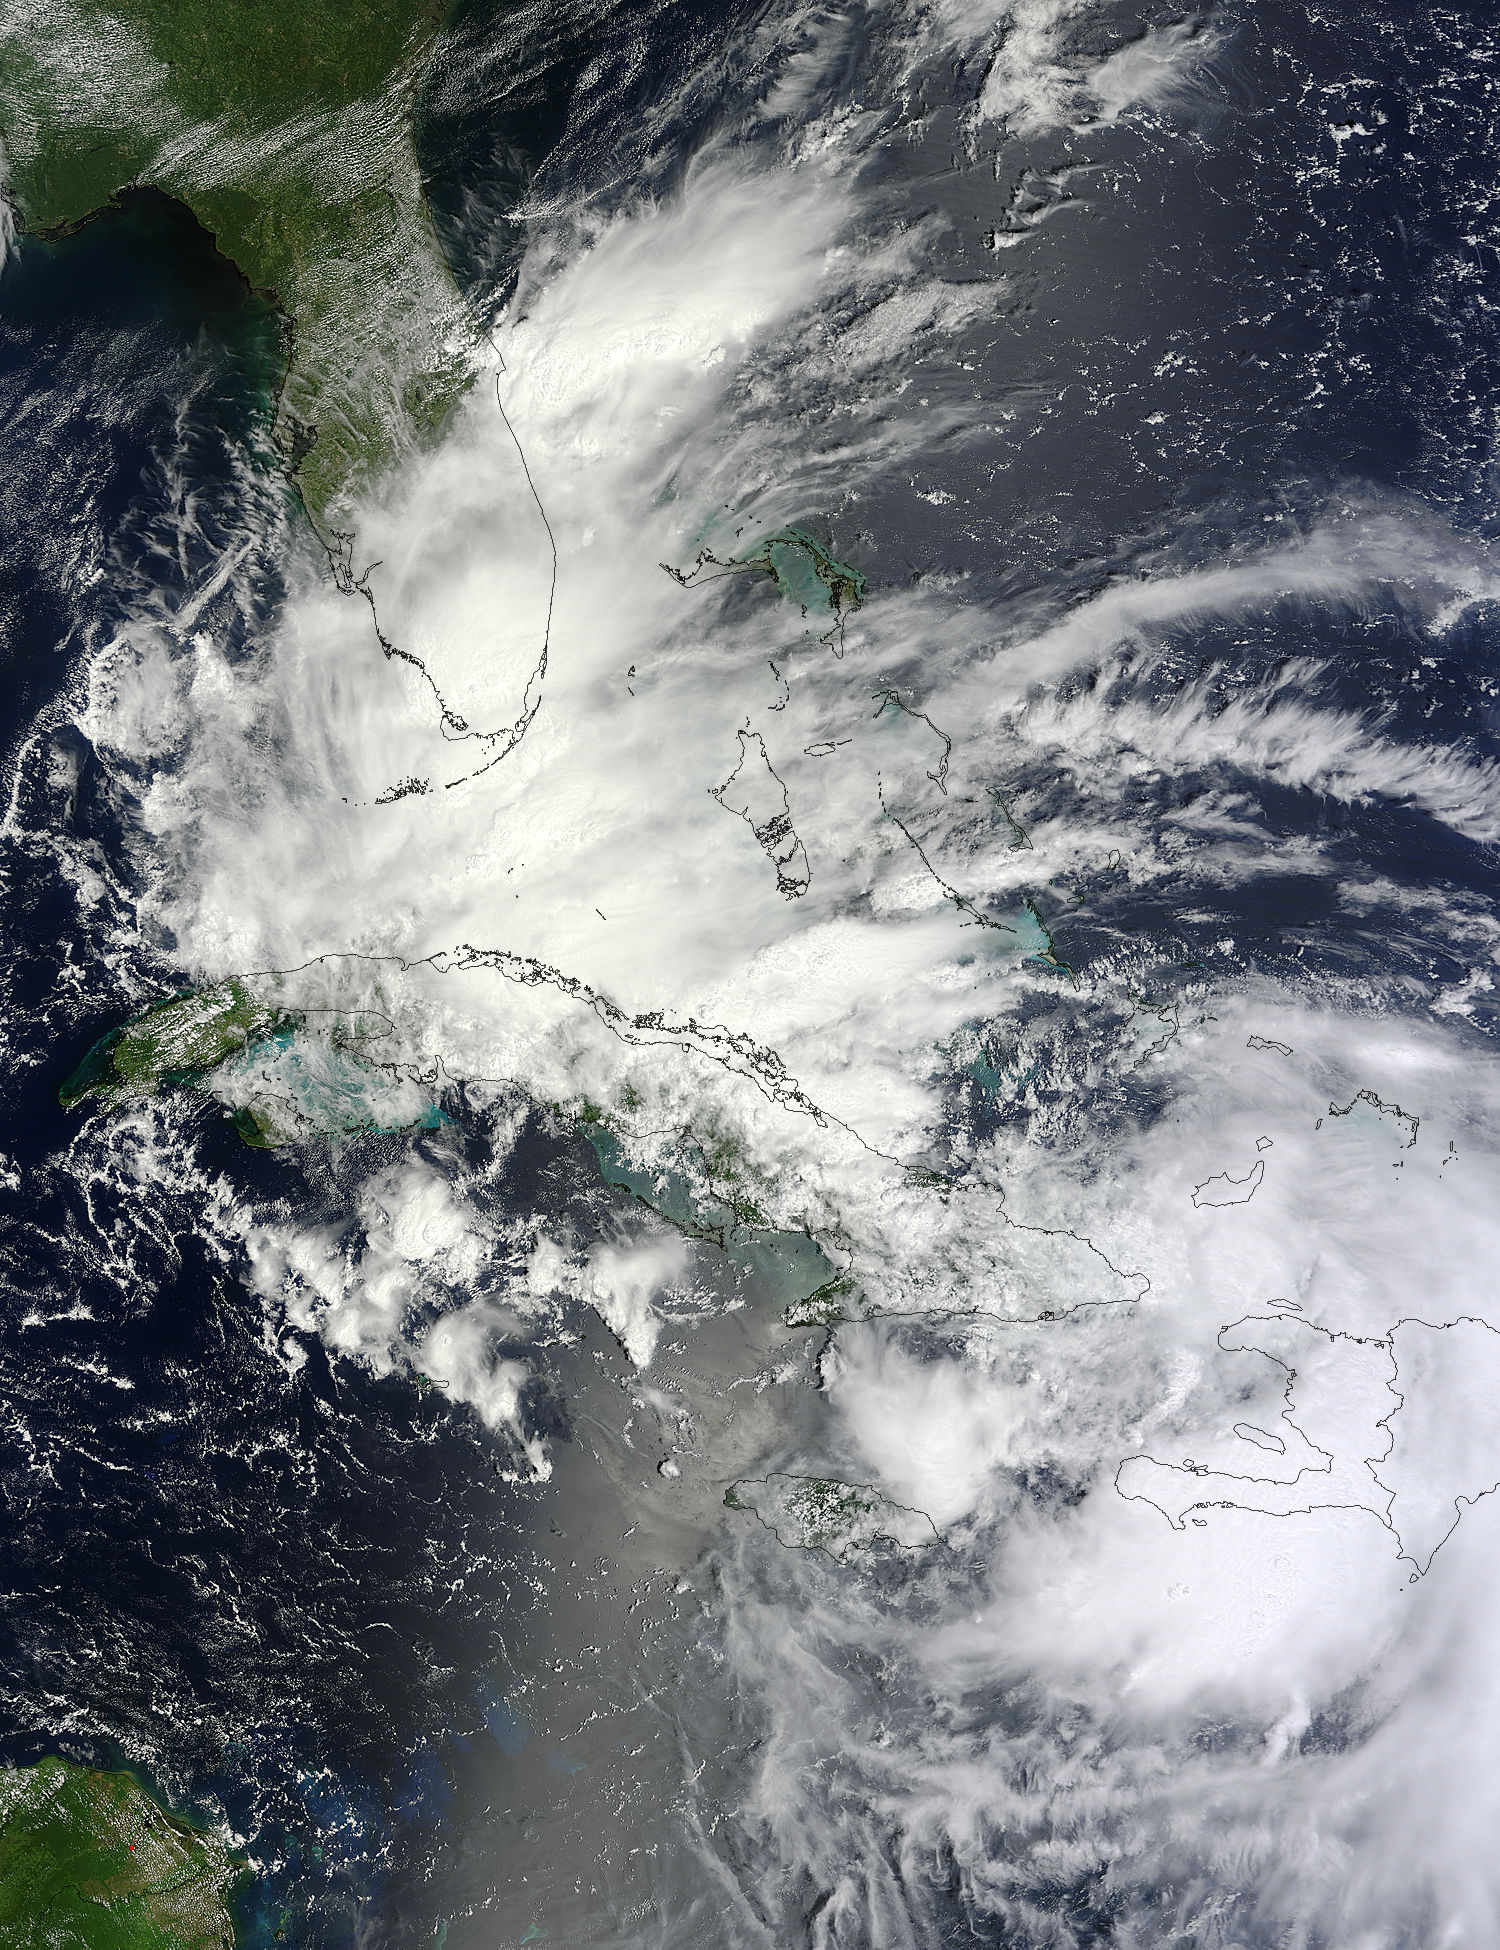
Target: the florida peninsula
(286, 127)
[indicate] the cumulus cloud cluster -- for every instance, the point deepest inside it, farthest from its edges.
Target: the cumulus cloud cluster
(1233, 1726)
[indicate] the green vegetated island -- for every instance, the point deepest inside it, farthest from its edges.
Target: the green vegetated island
(712, 1195)
(89, 1861)
(286, 127)
(284, 1074)
(823, 1514)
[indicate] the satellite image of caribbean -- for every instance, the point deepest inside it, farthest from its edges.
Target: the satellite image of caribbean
(749, 974)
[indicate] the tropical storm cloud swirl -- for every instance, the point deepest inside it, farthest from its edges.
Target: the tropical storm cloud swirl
(778, 1040)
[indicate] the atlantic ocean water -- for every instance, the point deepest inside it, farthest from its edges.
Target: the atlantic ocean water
(367, 1496)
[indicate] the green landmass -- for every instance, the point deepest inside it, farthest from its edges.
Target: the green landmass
(286, 127)
(836, 1300)
(178, 1041)
(284, 1076)
(821, 1513)
(88, 1861)
(710, 1198)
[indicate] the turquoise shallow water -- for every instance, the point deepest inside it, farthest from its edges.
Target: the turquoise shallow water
(296, 1084)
